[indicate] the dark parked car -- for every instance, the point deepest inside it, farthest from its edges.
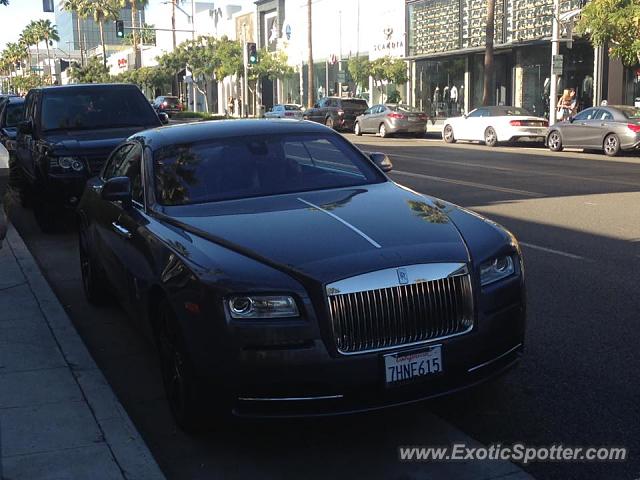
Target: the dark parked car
(167, 104)
(282, 273)
(11, 112)
(67, 134)
(391, 118)
(610, 129)
(336, 112)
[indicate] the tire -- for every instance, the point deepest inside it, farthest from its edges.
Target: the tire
(490, 137)
(554, 141)
(382, 131)
(179, 379)
(329, 122)
(447, 134)
(356, 129)
(97, 289)
(611, 145)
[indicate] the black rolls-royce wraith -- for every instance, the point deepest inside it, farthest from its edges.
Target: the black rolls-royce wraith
(281, 272)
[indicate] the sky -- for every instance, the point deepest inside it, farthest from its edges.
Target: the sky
(19, 13)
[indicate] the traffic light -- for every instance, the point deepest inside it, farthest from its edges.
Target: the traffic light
(252, 53)
(120, 28)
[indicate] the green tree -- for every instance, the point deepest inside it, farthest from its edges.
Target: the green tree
(147, 35)
(272, 65)
(360, 70)
(615, 23)
(102, 11)
(25, 83)
(93, 72)
(47, 32)
(29, 37)
(385, 70)
(16, 53)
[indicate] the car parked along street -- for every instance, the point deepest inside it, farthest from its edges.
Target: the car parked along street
(66, 134)
(259, 256)
(336, 112)
(390, 119)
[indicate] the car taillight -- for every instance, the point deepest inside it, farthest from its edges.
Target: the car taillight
(289, 114)
(340, 112)
(634, 127)
(164, 104)
(516, 123)
(395, 115)
(545, 123)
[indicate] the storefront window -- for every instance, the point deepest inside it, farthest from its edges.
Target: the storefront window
(502, 70)
(578, 73)
(439, 87)
(632, 86)
(536, 70)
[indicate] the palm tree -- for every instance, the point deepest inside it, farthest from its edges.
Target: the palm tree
(15, 54)
(47, 32)
(487, 92)
(30, 36)
(101, 11)
(77, 7)
(135, 6)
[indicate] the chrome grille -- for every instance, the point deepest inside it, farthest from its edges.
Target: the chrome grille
(395, 315)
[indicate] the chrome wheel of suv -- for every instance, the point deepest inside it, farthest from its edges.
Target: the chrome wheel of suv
(554, 142)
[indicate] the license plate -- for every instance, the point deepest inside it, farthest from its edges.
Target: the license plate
(405, 366)
(413, 119)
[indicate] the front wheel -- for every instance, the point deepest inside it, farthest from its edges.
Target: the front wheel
(356, 129)
(490, 137)
(554, 142)
(611, 145)
(447, 134)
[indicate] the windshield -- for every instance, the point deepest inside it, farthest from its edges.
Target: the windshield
(15, 112)
(260, 165)
(94, 108)
(511, 111)
(630, 112)
(292, 107)
(404, 108)
(171, 101)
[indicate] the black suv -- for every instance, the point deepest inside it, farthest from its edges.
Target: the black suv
(336, 112)
(65, 137)
(167, 104)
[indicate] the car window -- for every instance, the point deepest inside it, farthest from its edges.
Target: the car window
(15, 111)
(406, 108)
(630, 112)
(259, 165)
(603, 115)
(130, 167)
(587, 114)
(94, 108)
(354, 104)
(115, 161)
(478, 112)
(292, 107)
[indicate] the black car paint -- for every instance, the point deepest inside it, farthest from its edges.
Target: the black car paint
(200, 254)
(34, 148)
(329, 107)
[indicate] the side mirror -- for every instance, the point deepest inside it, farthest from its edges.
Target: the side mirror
(382, 161)
(117, 189)
(164, 118)
(25, 127)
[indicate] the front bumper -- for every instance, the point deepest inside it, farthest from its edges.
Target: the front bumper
(65, 189)
(280, 370)
(531, 133)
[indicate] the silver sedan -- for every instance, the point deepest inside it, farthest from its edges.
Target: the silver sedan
(608, 128)
(288, 110)
(389, 119)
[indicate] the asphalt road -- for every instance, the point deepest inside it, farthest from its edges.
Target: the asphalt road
(578, 219)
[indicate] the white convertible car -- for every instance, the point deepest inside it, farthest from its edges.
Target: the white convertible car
(495, 124)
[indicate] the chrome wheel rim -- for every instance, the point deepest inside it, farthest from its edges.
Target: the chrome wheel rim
(611, 144)
(554, 141)
(383, 130)
(448, 132)
(490, 136)
(357, 129)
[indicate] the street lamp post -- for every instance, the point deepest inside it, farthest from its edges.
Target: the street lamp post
(555, 50)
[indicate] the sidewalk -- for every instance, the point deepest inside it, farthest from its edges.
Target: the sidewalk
(59, 418)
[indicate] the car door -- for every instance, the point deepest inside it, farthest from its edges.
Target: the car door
(374, 119)
(576, 131)
(603, 123)
(470, 126)
(106, 215)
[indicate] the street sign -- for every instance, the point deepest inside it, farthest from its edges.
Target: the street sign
(556, 66)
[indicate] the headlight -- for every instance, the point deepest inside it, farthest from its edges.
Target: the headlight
(262, 306)
(66, 163)
(496, 269)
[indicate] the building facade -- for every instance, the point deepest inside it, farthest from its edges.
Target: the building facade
(446, 49)
(89, 36)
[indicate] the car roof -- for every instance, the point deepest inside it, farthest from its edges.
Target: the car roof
(80, 86)
(199, 131)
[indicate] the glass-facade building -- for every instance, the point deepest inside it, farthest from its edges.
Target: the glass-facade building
(70, 39)
(446, 44)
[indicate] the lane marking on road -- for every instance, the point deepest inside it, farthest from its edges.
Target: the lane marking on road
(516, 170)
(551, 250)
(482, 186)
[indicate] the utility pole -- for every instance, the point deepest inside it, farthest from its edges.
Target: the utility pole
(174, 82)
(555, 50)
(310, 90)
(193, 37)
(245, 82)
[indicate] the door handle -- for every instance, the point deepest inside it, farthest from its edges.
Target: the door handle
(120, 230)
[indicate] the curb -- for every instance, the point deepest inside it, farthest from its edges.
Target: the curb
(128, 448)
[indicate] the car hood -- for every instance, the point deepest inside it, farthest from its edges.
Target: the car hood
(331, 234)
(89, 141)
